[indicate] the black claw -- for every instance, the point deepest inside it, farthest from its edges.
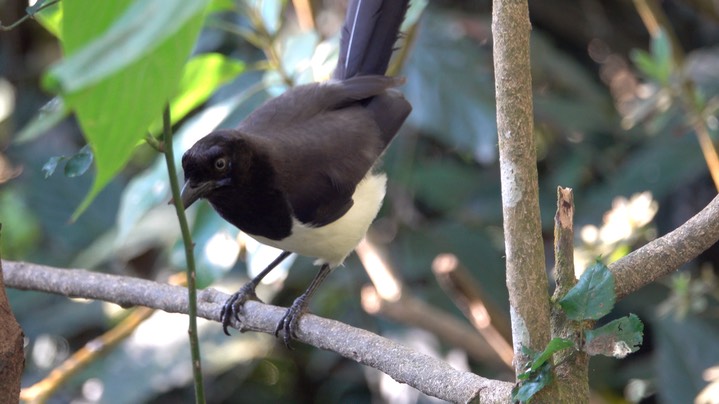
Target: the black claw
(289, 323)
(234, 305)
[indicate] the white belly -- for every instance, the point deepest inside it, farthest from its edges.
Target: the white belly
(332, 243)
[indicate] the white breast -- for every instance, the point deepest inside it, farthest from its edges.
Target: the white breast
(332, 243)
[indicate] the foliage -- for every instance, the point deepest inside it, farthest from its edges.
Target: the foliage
(591, 298)
(444, 193)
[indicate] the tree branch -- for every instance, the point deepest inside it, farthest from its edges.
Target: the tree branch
(428, 375)
(667, 253)
(526, 275)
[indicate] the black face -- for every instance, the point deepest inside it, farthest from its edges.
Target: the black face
(208, 167)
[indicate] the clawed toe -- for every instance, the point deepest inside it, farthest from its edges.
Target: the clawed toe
(289, 324)
(234, 306)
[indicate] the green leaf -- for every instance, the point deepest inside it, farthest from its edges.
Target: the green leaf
(124, 64)
(644, 62)
(617, 338)
(79, 163)
(524, 391)
(50, 18)
(661, 49)
(201, 76)
(48, 116)
(592, 297)
(555, 345)
(50, 166)
(539, 369)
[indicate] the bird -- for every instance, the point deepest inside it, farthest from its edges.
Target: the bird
(300, 173)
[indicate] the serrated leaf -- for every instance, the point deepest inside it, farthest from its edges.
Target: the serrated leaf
(50, 166)
(617, 338)
(592, 297)
(79, 163)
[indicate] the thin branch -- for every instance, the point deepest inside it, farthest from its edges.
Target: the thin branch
(467, 295)
(526, 275)
(305, 14)
(388, 298)
(428, 375)
(655, 20)
(668, 253)
(41, 391)
(416, 313)
(32, 11)
(189, 256)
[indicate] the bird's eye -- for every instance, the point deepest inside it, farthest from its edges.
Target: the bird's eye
(221, 163)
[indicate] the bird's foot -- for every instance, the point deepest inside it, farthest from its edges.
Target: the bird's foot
(290, 321)
(234, 305)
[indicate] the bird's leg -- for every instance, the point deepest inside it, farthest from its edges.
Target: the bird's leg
(233, 305)
(290, 321)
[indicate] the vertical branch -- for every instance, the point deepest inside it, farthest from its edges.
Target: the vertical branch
(526, 276)
(572, 365)
(189, 256)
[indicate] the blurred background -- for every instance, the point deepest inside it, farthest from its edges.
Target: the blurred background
(624, 115)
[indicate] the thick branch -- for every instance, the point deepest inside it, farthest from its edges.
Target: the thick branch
(428, 375)
(526, 276)
(669, 252)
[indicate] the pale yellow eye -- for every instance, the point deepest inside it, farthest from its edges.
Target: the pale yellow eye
(221, 164)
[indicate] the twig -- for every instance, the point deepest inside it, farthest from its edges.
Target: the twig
(429, 375)
(31, 14)
(189, 256)
(305, 14)
(655, 20)
(460, 286)
(416, 313)
(41, 391)
(387, 297)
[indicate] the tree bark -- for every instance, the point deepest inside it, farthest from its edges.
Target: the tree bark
(526, 275)
(12, 355)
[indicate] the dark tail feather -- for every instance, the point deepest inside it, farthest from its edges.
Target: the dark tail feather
(368, 35)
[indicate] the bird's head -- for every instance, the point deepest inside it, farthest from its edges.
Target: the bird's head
(212, 164)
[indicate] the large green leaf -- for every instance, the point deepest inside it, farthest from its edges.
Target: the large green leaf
(202, 75)
(124, 63)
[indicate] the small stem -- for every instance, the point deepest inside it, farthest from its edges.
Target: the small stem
(189, 256)
(26, 16)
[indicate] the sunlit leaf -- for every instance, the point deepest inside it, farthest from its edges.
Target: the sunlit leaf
(123, 66)
(201, 76)
(50, 18)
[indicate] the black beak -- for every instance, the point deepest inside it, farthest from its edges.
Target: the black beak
(192, 192)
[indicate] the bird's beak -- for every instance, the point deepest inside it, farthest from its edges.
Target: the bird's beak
(192, 192)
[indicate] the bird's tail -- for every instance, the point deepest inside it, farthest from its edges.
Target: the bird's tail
(368, 36)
